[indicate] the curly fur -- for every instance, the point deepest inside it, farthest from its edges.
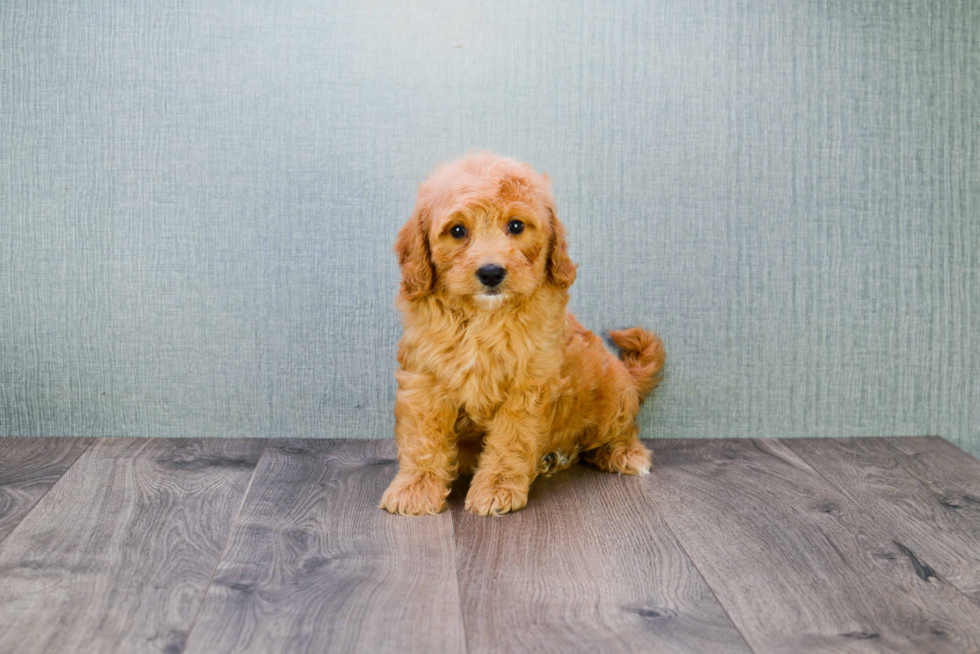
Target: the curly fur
(503, 383)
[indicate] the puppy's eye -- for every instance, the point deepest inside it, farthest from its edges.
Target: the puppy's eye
(515, 227)
(458, 231)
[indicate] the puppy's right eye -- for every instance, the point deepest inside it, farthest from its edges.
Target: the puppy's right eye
(458, 231)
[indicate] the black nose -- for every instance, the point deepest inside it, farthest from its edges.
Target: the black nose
(490, 275)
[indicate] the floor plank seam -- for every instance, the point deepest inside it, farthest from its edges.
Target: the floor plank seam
(673, 532)
(459, 592)
(224, 550)
(816, 469)
(48, 490)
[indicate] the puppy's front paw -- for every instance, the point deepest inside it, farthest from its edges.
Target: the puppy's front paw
(494, 498)
(412, 495)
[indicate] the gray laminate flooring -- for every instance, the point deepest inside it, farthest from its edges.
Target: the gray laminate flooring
(200, 545)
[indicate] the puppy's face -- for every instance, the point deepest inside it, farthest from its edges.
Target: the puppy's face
(484, 230)
(490, 251)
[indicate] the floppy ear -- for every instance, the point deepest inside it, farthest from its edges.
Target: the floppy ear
(561, 270)
(412, 248)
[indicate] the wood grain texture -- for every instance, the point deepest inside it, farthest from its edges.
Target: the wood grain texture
(314, 566)
(589, 565)
(797, 565)
(29, 467)
(924, 491)
(118, 554)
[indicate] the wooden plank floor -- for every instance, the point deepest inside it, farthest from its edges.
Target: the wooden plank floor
(29, 467)
(829, 545)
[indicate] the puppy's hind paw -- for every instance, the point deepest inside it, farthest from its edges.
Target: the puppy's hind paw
(633, 459)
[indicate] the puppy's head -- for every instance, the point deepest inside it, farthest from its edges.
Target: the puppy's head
(484, 230)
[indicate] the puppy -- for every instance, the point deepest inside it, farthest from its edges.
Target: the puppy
(496, 378)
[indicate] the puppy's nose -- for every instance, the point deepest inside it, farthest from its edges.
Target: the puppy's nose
(490, 275)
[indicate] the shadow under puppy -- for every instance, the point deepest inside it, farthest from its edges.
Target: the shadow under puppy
(496, 378)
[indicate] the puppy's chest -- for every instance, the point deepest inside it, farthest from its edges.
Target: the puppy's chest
(482, 361)
(479, 365)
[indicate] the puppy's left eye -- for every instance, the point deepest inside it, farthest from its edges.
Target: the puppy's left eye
(515, 227)
(458, 231)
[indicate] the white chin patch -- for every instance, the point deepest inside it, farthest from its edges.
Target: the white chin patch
(490, 301)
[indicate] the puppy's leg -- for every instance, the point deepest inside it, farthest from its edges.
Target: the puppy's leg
(426, 447)
(509, 461)
(622, 453)
(617, 447)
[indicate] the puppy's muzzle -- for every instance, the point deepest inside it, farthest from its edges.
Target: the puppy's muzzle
(491, 275)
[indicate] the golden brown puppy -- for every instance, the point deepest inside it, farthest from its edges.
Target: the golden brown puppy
(496, 378)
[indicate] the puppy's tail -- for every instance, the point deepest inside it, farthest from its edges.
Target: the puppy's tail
(643, 354)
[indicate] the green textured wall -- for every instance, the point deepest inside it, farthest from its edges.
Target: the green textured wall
(198, 200)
